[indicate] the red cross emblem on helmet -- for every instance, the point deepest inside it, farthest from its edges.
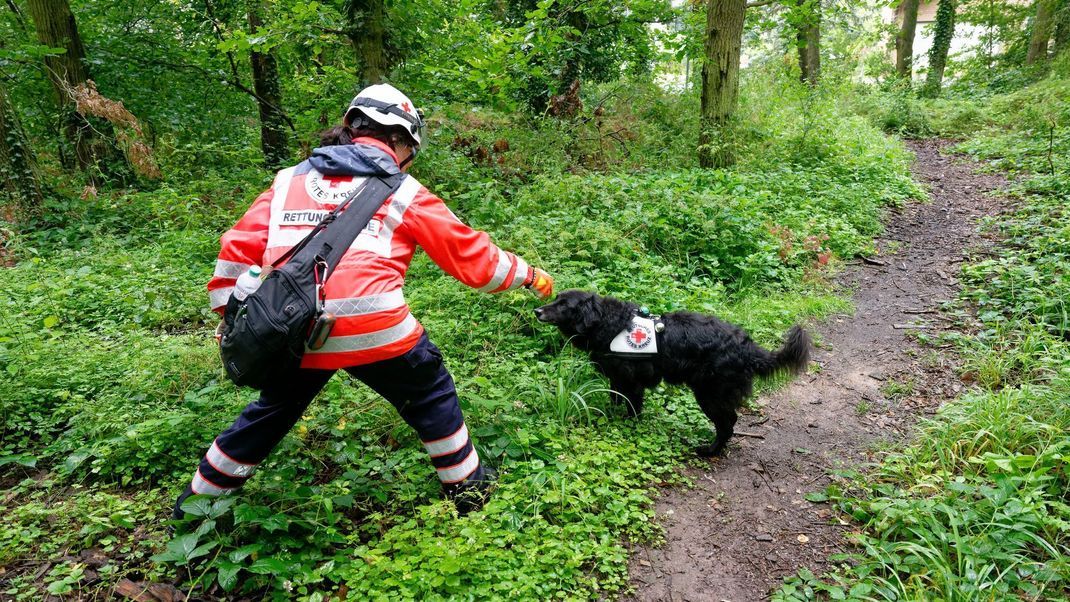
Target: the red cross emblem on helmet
(406, 107)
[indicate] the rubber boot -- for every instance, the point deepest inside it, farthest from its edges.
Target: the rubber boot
(473, 493)
(177, 513)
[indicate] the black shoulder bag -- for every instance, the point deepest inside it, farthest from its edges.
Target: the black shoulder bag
(265, 334)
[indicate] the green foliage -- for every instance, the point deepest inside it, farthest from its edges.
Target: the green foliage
(997, 63)
(1032, 285)
(116, 530)
(895, 108)
(111, 386)
(563, 41)
(1033, 132)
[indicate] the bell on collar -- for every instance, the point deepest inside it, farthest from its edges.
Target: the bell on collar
(644, 311)
(659, 327)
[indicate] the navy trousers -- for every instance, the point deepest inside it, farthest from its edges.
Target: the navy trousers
(416, 383)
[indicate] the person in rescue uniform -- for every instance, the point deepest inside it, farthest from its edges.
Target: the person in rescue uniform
(375, 338)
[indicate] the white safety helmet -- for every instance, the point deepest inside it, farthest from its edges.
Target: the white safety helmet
(386, 105)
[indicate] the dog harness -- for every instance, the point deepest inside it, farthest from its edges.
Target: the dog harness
(640, 339)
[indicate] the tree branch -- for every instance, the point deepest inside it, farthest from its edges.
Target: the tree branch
(757, 3)
(236, 81)
(341, 32)
(18, 14)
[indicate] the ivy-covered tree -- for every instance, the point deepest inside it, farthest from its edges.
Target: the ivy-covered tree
(274, 140)
(904, 40)
(367, 33)
(1040, 35)
(19, 179)
(1062, 27)
(66, 70)
(720, 80)
(806, 18)
(943, 33)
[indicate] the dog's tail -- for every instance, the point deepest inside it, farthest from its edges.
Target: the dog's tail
(793, 356)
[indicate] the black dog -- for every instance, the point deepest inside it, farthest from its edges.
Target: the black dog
(717, 360)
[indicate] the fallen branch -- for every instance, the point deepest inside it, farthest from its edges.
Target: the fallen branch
(88, 101)
(763, 420)
(755, 435)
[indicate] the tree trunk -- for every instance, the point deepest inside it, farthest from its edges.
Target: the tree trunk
(904, 42)
(1043, 23)
(570, 71)
(19, 179)
(1062, 28)
(720, 80)
(808, 39)
(273, 136)
(56, 28)
(367, 22)
(943, 33)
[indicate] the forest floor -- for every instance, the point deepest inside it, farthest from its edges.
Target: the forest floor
(745, 524)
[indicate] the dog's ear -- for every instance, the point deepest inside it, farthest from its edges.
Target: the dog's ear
(588, 316)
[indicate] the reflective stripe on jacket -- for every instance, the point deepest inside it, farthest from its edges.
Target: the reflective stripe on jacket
(364, 292)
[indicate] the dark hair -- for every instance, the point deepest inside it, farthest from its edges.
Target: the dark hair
(392, 136)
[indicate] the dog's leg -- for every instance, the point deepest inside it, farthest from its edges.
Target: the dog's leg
(634, 402)
(724, 420)
(721, 410)
(627, 394)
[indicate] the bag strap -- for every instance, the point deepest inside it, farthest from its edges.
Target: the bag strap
(370, 195)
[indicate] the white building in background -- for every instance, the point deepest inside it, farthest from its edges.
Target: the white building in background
(965, 42)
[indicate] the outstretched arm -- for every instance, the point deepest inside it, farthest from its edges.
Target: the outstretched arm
(469, 255)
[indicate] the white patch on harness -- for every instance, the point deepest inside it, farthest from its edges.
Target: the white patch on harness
(638, 338)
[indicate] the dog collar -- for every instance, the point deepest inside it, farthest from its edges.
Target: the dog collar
(640, 338)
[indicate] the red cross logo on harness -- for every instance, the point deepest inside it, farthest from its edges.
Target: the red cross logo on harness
(335, 181)
(639, 337)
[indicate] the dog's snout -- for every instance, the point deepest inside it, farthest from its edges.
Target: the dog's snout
(538, 312)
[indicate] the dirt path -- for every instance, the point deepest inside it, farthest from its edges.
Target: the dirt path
(745, 525)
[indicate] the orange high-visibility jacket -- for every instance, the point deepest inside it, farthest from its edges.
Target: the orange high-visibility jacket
(364, 292)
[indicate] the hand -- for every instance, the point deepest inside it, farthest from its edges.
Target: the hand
(541, 284)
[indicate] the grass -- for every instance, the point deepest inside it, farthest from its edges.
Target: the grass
(573, 392)
(896, 390)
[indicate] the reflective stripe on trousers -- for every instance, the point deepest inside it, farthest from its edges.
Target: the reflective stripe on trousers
(460, 471)
(416, 383)
(203, 486)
